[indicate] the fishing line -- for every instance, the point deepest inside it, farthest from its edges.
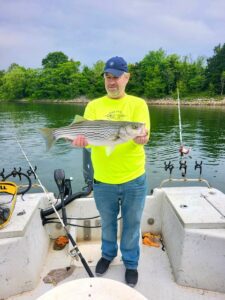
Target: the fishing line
(179, 115)
(75, 251)
(39, 181)
(182, 150)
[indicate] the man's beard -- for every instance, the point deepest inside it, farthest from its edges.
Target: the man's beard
(113, 94)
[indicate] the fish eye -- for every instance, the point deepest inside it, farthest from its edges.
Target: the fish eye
(134, 126)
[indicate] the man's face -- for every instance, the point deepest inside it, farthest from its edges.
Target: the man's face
(115, 86)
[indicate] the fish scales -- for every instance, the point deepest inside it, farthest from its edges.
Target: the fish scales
(91, 129)
(98, 133)
(104, 133)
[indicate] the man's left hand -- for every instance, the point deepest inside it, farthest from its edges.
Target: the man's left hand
(142, 139)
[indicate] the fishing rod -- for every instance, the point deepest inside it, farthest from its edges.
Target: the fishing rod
(182, 149)
(183, 163)
(59, 177)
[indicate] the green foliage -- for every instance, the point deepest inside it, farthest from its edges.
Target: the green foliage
(93, 85)
(135, 86)
(222, 82)
(53, 59)
(57, 83)
(215, 68)
(2, 74)
(153, 65)
(12, 66)
(157, 75)
(13, 84)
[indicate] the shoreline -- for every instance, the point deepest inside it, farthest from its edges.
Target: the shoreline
(84, 101)
(194, 102)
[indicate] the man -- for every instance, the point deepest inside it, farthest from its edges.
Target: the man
(119, 179)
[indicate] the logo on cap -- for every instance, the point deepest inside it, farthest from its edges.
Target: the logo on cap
(116, 66)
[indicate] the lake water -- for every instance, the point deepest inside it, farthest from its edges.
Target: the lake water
(203, 130)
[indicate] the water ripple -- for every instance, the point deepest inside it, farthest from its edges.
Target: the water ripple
(203, 130)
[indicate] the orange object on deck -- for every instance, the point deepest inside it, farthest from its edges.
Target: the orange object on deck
(150, 239)
(60, 242)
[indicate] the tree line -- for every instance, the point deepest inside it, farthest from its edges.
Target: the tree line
(156, 76)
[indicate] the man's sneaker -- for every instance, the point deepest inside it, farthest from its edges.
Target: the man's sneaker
(102, 266)
(131, 277)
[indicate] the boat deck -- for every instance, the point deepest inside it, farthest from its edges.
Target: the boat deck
(156, 280)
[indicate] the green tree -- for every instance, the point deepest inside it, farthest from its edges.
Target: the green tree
(58, 82)
(14, 84)
(53, 59)
(93, 84)
(216, 67)
(151, 68)
(33, 86)
(191, 76)
(222, 82)
(2, 74)
(171, 73)
(155, 86)
(196, 76)
(135, 84)
(12, 66)
(68, 75)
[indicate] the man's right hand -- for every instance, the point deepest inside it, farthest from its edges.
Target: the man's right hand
(80, 141)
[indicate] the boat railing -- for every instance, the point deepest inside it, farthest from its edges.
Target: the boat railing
(183, 167)
(185, 179)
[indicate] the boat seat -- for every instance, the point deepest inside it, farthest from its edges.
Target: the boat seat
(23, 245)
(193, 230)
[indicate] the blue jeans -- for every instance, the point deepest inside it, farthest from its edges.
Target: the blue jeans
(131, 196)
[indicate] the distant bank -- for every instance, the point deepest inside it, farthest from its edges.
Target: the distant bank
(197, 101)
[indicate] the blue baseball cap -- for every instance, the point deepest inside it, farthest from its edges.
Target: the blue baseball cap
(116, 66)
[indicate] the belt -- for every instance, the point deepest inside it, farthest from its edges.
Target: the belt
(96, 181)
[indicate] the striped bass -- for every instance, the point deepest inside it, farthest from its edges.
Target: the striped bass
(98, 133)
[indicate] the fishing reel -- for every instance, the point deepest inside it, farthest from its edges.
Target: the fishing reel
(63, 184)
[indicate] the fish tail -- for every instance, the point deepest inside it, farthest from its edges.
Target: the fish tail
(47, 134)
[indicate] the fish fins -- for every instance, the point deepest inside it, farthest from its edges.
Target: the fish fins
(109, 150)
(47, 134)
(79, 119)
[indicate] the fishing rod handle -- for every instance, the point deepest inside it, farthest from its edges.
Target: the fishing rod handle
(86, 266)
(64, 216)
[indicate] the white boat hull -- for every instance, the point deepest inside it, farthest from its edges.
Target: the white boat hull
(194, 239)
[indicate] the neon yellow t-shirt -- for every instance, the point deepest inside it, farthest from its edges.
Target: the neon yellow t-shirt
(127, 161)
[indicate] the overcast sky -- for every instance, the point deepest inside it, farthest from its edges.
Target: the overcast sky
(92, 30)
